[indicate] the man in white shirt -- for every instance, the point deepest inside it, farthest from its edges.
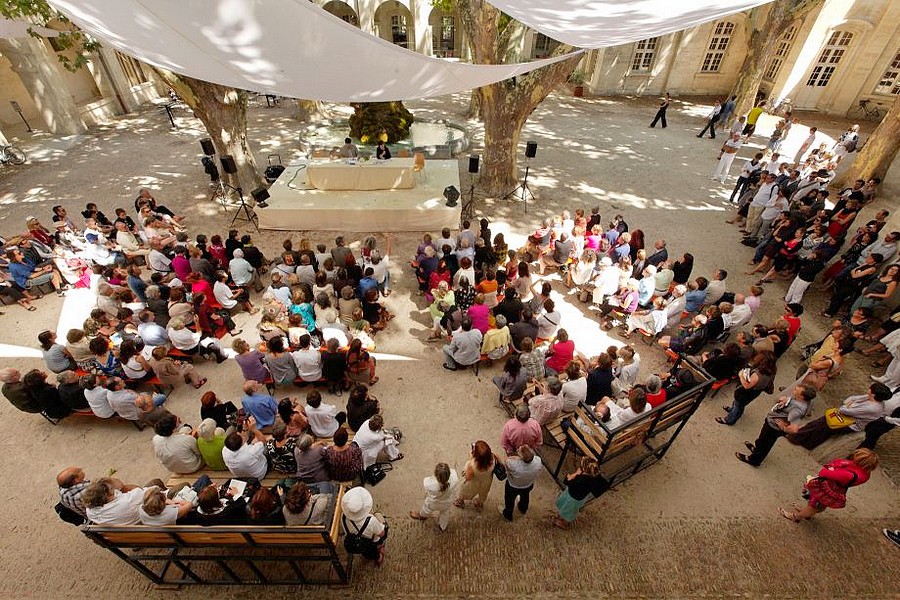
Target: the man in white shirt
(751, 166)
(715, 289)
(775, 207)
(522, 470)
(122, 400)
(109, 502)
(176, 448)
(726, 157)
(465, 347)
(128, 242)
(158, 262)
(764, 196)
(739, 315)
(886, 247)
(675, 307)
(308, 360)
(246, 459)
(305, 272)
(324, 419)
(242, 272)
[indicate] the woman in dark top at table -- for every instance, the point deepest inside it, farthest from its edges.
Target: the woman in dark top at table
(382, 152)
(583, 485)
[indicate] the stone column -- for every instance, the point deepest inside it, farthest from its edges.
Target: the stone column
(421, 10)
(38, 69)
(111, 79)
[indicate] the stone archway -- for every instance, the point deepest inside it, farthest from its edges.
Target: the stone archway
(446, 33)
(394, 23)
(342, 11)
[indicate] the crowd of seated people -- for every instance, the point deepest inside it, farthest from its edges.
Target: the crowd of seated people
(322, 311)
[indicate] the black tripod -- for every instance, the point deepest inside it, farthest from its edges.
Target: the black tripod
(522, 189)
(249, 215)
(468, 208)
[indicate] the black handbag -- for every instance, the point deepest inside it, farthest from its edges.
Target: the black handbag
(499, 469)
(375, 473)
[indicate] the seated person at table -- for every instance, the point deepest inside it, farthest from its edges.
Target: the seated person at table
(348, 150)
(382, 152)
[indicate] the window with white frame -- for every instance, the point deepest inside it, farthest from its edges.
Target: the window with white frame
(829, 59)
(644, 52)
(890, 81)
(399, 33)
(718, 44)
(781, 51)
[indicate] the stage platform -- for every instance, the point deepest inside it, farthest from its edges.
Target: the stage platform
(293, 207)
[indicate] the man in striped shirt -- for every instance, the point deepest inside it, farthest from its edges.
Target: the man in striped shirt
(72, 485)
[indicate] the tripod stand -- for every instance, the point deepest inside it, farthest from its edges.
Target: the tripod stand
(221, 194)
(249, 215)
(468, 207)
(522, 189)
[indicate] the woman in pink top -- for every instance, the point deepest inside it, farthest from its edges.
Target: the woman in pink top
(561, 352)
(479, 313)
(592, 241)
(753, 299)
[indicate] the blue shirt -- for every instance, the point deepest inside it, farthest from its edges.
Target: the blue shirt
(20, 271)
(693, 300)
(646, 287)
(262, 407)
(139, 287)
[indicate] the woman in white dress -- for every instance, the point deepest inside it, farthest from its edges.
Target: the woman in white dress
(440, 490)
(373, 440)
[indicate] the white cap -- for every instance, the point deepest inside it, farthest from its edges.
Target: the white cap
(606, 261)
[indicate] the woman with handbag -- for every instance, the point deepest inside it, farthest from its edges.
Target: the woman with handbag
(477, 476)
(851, 416)
(829, 488)
(582, 486)
(756, 378)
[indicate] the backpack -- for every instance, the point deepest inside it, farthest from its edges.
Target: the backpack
(68, 515)
(356, 543)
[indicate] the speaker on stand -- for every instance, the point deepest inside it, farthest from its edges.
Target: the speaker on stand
(468, 208)
(523, 190)
(208, 148)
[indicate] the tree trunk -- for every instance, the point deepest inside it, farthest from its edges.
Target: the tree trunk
(310, 111)
(878, 152)
(223, 111)
(762, 42)
(505, 105)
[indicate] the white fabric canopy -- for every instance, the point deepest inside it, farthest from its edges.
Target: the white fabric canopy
(604, 23)
(287, 47)
(18, 29)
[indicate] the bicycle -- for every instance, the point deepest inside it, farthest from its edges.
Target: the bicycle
(11, 154)
(864, 111)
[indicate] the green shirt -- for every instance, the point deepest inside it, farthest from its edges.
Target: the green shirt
(211, 451)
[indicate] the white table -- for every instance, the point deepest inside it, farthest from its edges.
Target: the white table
(396, 173)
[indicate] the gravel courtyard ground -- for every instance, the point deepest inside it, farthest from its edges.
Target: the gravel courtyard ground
(698, 524)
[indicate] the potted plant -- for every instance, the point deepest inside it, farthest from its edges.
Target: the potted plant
(576, 79)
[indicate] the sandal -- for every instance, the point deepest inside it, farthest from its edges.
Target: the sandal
(743, 458)
(200, 383)
(722, 421)
(459, 503)
(31, 308)
(415, 515)
(750, 447)
(373, 381)
(788, 515)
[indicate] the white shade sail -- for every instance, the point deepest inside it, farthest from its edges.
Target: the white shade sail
(18, 29)
(287, 47)
(604, 23)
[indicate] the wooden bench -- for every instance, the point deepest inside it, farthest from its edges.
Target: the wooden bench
(91, 416)
(231, 554)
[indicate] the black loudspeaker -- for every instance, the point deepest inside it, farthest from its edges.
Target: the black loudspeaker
(260, 194)
(531, 149)
(473, 163)
(228, 164)
(451, 194)
(207, 145)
